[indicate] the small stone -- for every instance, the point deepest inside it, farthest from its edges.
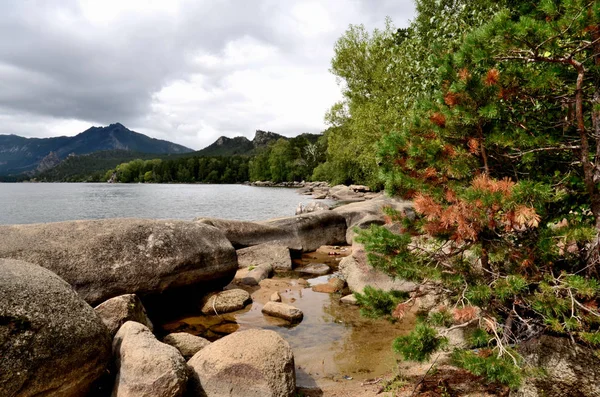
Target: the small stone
(275, 297)
(256, 275)
(281, 310)
(303, 282)
(187, 344)
(120, 309)
(349, 300)
(225, 302)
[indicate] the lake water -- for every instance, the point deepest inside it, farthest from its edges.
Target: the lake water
(52, 202)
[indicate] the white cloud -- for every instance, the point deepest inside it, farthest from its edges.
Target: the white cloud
(183, 70)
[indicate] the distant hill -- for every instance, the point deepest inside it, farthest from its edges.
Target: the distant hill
(19, 155)
(241, 145)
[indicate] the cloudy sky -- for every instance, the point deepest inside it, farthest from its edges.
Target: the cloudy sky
(184, 70)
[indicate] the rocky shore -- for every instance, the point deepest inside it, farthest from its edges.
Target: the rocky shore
(53, 342)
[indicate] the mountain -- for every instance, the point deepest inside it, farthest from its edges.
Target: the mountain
(241, 145)
(18, 154)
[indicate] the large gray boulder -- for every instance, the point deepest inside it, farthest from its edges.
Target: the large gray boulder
(277, 256)
(569, 369)
(362, 215)
(146, 367)
(252, 363)
(51, 341)
(305, 232)
(120, 309)
(106, 258)
(358, 274)
(314, 229)
(246, 234)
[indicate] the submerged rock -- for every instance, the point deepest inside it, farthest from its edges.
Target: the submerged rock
(106, 258)
(120, 309)
(225, 302)
(319, 269)
(277, 256)
(146, 367)
(333, 285)
(51, 341)
(281, 310)
(187, 344)
(252, 363)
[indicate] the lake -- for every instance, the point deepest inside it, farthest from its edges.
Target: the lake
(53, 202)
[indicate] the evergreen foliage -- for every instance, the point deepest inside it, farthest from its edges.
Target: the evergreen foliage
(502, 161)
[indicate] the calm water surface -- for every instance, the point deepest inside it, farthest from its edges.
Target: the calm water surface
(53, 202)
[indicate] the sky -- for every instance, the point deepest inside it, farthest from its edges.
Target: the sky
(187, 71)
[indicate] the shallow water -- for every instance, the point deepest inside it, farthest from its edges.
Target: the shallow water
(332, 342)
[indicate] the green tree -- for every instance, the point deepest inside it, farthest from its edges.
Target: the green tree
(502, 164)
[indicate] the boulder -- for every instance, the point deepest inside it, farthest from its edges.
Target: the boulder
(187, 344)
(106, 258)
(281, 310)
(570, 369)
(252, 363)
(333, 285)
(344, 193)
(120, 309)
(305, 232)
(246, 234)
(364, 214)
(146, 367)
(318, 269)
(225, 302)
(358, 274)
(277, 256)
(313, 206)
(51, 341)
(256, 275)
(313, 230)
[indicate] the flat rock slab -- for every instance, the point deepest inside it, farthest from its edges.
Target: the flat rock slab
(52, 343)
(281, 310)
(187, 344)
(318, 269)
(146, 367)
(102, 259)
(225, 302)
(252, 363)
(277, 256)
(120, 309)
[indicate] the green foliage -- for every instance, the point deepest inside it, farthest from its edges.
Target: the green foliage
(498, 150)
(493, 367)
(420, 344)
(375, 303)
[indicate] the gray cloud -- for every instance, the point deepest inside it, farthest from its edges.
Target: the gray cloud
(186, 70)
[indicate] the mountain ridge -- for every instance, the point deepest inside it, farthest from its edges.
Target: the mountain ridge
(19, 154)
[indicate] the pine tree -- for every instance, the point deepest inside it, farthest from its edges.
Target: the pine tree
(502, 164)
